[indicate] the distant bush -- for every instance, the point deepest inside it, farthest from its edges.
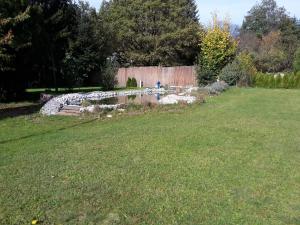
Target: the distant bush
(128, 83)
(131, 82)
(109, 74)
(240, 72)
(296, 64)
(205, 76)
(216, 87)
(288, 81)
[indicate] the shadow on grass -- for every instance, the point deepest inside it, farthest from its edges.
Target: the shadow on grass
(46, 132)
(19, 111)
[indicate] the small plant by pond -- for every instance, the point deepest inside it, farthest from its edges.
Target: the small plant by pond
(131, 82)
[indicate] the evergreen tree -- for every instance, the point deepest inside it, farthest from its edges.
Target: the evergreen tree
(264, 17)
(15, 40)
(153, 32)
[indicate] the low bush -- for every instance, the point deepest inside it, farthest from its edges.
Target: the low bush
(131, 82)
(288, 81)
(296, 64)
(240, 72)
(128, 83)
(109, 75)
(205, 76)
(216, 87)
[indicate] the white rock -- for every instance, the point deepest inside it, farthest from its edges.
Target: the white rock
(174, 99)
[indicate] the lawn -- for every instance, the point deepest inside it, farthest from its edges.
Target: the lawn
(233, 160)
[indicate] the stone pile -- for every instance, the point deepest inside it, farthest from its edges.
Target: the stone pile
(175, 99)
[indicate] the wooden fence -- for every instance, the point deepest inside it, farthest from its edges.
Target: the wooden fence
(172, 76)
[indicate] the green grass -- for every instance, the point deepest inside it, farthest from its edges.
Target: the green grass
(233, 160)
(79, 89)
(63, 90)
(33, 94)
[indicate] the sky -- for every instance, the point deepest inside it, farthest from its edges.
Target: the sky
(236, 9)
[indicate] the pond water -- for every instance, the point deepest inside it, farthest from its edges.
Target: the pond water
(130, 99)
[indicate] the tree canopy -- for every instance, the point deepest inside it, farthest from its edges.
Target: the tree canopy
(153, 32)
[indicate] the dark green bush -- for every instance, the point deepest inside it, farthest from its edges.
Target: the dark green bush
(240, 72)
(205, 76)
(231, 73)
(128, 83)
(131, 82)
(109, 74)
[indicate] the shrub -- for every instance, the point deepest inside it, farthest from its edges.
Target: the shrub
(85, 103)
(109, 74)
(298, 80)
(205, 76)
(231, 73)
(278, 81)
(296, 64)
(240, 72)
(216, 87)
(285, 81)
(288, 81)
(131, 82)
(128, 83)
(218, 48)
(271, 56)
(270, 81)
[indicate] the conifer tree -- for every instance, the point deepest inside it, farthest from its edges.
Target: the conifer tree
(153, 32)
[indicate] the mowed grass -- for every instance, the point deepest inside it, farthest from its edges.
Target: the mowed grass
(233, 160)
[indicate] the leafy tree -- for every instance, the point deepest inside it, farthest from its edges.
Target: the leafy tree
(290, 40)
(85, 55)
(218, 48)
(263, 22)
(153, 32)
(264, 17)
(271, 57)
(54, 27)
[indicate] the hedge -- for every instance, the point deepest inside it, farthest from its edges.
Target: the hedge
(288, 80)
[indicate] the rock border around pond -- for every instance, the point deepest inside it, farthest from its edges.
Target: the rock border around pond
(53, 106)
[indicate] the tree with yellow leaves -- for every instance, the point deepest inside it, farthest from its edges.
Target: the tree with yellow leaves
(218, 48)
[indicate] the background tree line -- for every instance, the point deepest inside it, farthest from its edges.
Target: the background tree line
(54, 43)
(267, 42)
(62, 43)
